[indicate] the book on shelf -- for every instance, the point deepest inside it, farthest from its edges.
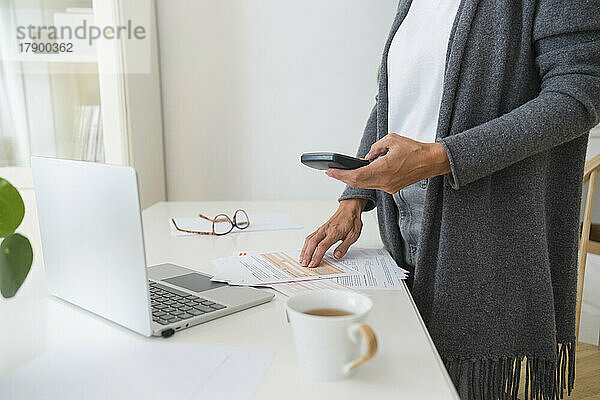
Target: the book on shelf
(88, 144)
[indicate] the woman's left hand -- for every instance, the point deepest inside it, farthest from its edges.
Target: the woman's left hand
(406, 162)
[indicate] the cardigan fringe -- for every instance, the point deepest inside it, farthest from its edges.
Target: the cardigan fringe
(500, 378)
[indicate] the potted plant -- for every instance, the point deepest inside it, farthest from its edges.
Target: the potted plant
(16, 254)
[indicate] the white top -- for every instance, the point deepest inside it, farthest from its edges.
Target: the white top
(406, 366)
(416, 65)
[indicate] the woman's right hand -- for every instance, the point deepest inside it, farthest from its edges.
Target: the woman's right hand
(344, 225)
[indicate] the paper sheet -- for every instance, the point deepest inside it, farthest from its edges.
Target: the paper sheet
(264, 268)
(245, 367)
(290, 289)
(258, 223)
(377, 269)
(139, 369)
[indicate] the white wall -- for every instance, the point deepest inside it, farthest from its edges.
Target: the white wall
(248, 85)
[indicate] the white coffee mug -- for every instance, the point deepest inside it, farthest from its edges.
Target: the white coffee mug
(329, 347)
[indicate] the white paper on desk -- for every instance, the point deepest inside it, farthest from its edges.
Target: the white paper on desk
(268, 267)
(258, 223)
(239, 377)
(290, 289)
(138, 369)
(377, 269)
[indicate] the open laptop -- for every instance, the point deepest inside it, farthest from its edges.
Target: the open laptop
(92, 238)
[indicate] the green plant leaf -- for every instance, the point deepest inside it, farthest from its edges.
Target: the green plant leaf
(16, 257)
(12, 209)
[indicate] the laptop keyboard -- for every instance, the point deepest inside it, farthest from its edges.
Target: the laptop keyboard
(171, 305)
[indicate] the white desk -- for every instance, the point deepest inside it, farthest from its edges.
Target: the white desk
(407, 365)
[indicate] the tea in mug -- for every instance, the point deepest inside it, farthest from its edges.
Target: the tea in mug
(328, 312)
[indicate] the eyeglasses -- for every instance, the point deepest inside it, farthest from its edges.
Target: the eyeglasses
(221, 224)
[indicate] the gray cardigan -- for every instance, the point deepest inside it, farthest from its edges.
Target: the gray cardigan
(496, 269)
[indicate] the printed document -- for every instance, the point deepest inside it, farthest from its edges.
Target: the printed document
(265, 268)
(290, 289)
(377, 270)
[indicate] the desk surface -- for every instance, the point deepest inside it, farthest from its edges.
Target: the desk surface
(406, 366)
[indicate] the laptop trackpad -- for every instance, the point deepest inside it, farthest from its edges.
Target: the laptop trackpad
(194, 282)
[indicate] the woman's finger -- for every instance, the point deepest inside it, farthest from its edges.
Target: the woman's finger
(321, 250)
(354, 177)
(345, 176)
(365, 177)
(378, 148)
(305, 246)
(310, 246)
(342, 249)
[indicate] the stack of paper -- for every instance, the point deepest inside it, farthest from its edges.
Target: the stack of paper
(290, 289)
(265, 268)
(280, 270)
(377, 270)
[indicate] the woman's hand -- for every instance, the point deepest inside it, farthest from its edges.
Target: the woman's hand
(344, 225)
(406, 162)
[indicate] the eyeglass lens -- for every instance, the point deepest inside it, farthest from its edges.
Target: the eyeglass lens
(241, 220)
(222, 225)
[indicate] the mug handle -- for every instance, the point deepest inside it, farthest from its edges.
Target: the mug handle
(367, 332)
